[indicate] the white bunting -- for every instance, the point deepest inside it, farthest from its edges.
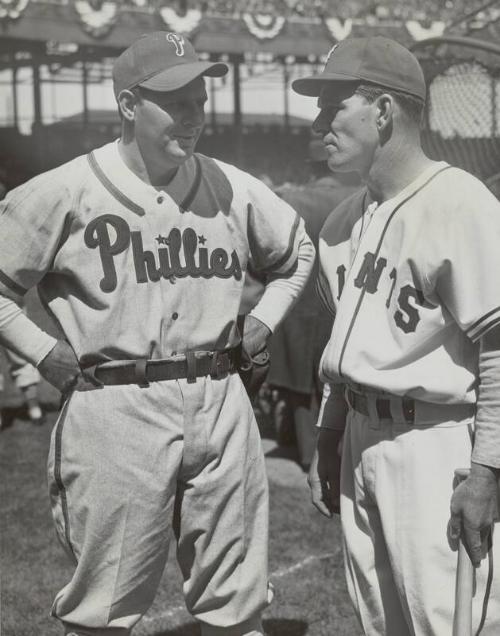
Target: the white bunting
(12, 9)
(420, 32)
(339, 29)
(181, 23)
(263, 26)
(96, 21)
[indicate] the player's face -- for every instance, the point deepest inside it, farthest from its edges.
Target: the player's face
(168, 125)
(347, 124)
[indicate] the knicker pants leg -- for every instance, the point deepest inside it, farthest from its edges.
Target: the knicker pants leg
(222, 511)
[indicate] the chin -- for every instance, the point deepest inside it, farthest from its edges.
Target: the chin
(337, 165)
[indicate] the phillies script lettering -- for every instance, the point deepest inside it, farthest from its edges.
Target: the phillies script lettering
(368, 278)
(197, 261)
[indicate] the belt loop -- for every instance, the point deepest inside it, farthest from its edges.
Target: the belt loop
(140, 372)
(191, 367)
(396, 406)
(371, 403)
(348, 396)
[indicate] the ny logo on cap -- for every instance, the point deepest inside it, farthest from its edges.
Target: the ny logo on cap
(178, 42)
(330, 52)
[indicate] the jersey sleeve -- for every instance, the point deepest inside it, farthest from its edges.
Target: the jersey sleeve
(275, 230)
(467, 241)
(33, 220)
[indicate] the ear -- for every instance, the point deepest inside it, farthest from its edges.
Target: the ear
(127, 101)
(385, 111)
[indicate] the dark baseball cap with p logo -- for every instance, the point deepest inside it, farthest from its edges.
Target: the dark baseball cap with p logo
(161, 61)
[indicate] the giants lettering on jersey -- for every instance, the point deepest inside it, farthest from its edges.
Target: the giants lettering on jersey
(368, 278)
(199, 262)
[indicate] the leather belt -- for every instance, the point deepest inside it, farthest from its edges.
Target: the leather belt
(359, 402)
(191, 365)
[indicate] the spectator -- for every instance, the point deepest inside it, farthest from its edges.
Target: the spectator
(297, 344)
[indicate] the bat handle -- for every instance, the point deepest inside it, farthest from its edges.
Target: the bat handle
(462, 618)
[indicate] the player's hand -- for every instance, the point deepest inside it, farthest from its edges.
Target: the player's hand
(60, 367)
(324, 474)
(474, 508)
(255, 335)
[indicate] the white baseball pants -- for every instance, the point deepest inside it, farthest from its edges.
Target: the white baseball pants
(396, 486)
(128, 462)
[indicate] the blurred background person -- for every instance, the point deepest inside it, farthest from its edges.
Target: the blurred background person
(23, 374)
(298, 343)
(26, 379)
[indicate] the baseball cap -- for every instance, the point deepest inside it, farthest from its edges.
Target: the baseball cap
(375, 60)
(161, 61)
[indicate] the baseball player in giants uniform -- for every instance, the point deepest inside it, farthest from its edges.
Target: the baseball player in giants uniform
(408, 269)
(139, 251)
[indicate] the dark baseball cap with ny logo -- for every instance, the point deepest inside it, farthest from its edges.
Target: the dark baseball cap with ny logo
(161, 61)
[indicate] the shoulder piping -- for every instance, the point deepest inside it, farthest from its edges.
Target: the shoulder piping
(286, 255)
(111, 188)
(193, 190)
(12, 285)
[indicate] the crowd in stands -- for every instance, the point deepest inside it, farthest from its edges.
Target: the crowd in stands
(422, 10)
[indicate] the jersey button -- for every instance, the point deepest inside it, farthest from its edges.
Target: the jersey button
(175, 315)
(160, 199)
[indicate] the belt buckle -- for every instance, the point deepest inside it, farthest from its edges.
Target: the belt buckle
(217, 367)
(408, 408)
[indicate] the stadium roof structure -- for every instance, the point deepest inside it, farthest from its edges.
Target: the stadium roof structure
(76, 33)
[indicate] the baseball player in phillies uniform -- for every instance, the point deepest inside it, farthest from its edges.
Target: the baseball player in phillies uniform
(139, 251)
(408, 269)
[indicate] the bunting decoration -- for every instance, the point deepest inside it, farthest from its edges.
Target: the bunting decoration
(420, 32)
(184, 24)
(97, 16)
(12, 9)
(339, 29)
(263, 26)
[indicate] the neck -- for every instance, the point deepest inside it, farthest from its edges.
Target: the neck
(395, 166)
(134, 160)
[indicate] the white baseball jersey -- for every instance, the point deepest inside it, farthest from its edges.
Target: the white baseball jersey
(413, 284)
(131, 271)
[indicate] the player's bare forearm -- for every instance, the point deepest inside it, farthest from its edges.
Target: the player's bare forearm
(474, 508)
(324, 474)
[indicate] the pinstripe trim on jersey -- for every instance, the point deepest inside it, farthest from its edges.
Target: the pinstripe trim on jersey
(484, 324)
(190, 196)
(289, 250)
(12, 285)
(111, 188)
(58, 477)
(377, 251)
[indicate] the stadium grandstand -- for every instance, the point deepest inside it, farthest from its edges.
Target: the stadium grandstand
(56, 56)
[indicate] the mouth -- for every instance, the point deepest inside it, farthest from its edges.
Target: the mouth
(186, 140)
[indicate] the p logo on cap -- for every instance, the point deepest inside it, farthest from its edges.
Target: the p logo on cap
(177, 41)
(161, 61)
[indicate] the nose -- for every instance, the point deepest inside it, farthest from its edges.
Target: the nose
(320, 125)
(194, 115)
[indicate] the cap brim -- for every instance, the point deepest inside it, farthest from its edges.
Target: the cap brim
(178, 76)
(311, 86)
